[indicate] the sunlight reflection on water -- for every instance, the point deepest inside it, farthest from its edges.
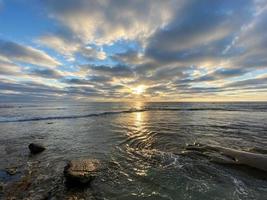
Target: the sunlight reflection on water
(139, 148)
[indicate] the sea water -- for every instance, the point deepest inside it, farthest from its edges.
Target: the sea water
(137, 143)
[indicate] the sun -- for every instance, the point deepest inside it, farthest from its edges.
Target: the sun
(138, 90)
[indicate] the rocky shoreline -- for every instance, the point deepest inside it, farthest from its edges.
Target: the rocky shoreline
(20, 182)
(78, 174)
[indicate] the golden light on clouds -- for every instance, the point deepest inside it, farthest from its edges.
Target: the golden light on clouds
(137, 50)
(139, 90)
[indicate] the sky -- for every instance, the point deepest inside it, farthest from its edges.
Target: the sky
(135, 50)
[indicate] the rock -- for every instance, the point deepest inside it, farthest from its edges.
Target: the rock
(1, 187)
(11, 171)
(36, 148)
(73, 198)
(82, 171)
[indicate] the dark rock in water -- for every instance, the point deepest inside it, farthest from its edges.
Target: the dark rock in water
(81, 171)
(36, 148)
(11, 171)
(1, 187)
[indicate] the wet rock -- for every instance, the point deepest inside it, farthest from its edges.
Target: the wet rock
(11, 198)
(36, 148)
(11, 171)
(1, 187)
(18, 189)
(73, 198)
(38, 197)
(81, 171)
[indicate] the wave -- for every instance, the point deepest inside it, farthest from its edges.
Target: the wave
(3, 119)
(14, 119)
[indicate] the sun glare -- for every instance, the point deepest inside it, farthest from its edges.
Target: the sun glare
(139, 89)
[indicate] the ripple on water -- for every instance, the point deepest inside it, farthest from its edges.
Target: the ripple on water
(139, 150)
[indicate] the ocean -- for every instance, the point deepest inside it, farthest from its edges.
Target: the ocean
(138, 144)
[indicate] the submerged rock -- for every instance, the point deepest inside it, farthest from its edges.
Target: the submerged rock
(36, 148)
(82, 171)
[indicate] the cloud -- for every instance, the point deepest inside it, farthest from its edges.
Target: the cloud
(201, 30)
(8, 68)
(129, 57)
(253, 42)
(219, 74)
(99, 79)
(29, 87)
(68, 46)
(26, 54)
(115, 71)
(234, 87)
(177, 49)
(92, 54)
(83, 91)
(62, 44)
(76, 81)
(252, 82)
(109, 20)
(35, 91)
(46, 73)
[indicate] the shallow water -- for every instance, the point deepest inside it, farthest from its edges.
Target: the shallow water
(138, 145)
